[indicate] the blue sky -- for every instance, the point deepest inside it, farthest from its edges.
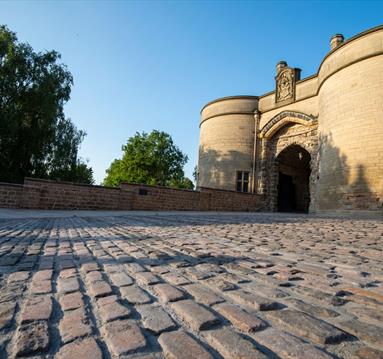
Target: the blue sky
(139, 66)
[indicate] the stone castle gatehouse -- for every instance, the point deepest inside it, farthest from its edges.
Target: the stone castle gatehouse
(313, 144)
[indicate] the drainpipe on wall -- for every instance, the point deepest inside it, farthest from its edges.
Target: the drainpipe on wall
(257, 115)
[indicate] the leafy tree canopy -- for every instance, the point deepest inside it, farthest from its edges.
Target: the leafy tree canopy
(151, 159)
(36, 139)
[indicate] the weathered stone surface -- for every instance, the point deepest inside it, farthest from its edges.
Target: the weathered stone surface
(94, 276)
(71, 301)
(107, 300)
(180, 345)
(368, 353)
(252, 300)
(134, 267)
(305, 325)
(146, 278)
(42, 275)
(313, 310)
(195, 315)
(89, 267)
(203, 295)
(113, 311)
(41, 287)
(240, 319)
(32, 338)
(18, 277)
(288, 346)
(175, 279)
(7, 310)
(155, 319)
(68, 273)
(135, 295)
(231, 345)
(86, 348)
(68, 285)
(99, 289)
(367, 332)
(168, 293)
(37, 308)
(220, 284)
(123, 337)
(368, 314)
(219, 252)
(121, 279)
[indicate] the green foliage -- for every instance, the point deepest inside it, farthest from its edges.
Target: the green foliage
(35, 138)
(184, 182)
(151, 159)
(195, 174)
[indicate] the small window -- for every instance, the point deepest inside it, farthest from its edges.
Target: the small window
(242, 181)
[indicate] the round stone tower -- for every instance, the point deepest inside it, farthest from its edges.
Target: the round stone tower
(350, 98)
(226, 141)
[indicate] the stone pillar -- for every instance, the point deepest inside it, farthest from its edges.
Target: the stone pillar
(262, 173)
(257, 116)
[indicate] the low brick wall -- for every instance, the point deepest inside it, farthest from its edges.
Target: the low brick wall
(224, 200)
(45, 194)
(152, 198)
(205, 199)
(10, 195)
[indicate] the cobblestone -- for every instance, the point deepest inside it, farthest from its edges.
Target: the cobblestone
(74, 325)
(191, 285)
(86, 348)
(179, 345)
(37, 308)
(195, 315)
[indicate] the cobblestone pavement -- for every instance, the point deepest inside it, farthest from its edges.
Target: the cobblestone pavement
(191, 286)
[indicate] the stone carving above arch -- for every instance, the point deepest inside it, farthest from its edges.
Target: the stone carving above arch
(293, 142)
(282, 119)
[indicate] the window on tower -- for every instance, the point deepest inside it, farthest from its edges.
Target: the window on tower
(242, 181)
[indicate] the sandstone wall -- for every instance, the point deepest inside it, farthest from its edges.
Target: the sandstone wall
(226, 141)
(351, 126)
(345, 99)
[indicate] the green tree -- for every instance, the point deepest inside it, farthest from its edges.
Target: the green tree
(35, 138)
(195, 174)
(184, 182)
(151, 159)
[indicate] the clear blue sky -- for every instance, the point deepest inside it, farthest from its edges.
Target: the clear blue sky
(139, 66)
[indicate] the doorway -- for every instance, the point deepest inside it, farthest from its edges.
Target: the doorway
(293, 180)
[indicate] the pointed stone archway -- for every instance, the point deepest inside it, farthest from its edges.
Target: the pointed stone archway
(293, 189)
(297, 135)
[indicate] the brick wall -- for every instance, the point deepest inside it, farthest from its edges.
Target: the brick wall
(44, 194)
(205, 199)
(224, 200)
(10, 195)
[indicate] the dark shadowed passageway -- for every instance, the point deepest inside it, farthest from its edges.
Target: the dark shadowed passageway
(293, 179)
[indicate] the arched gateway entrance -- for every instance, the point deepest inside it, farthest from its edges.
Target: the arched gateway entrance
(293, 179)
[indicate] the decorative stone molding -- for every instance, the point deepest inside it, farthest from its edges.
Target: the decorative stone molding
(285, 82)
(281, 119)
